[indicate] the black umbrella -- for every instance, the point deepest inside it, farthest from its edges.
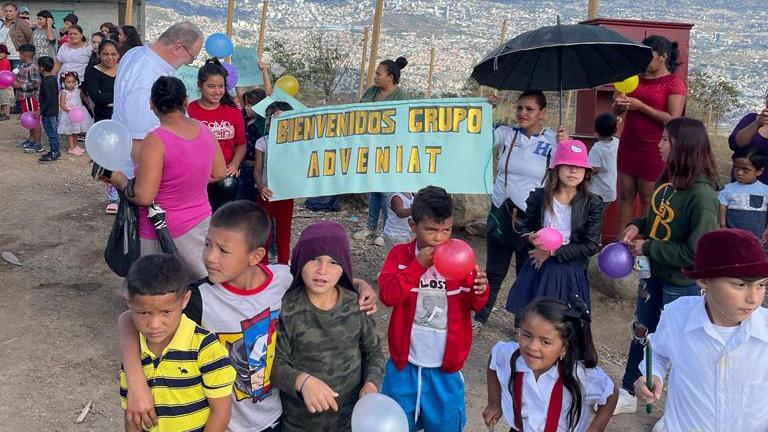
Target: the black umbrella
(157, 216)
(562, 57)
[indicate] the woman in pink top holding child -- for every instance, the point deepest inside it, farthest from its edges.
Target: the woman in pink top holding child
(175, 165)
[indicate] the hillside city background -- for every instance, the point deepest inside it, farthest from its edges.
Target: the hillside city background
(728, 40)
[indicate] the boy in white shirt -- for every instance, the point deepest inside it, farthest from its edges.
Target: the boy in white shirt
(715, 347)
(602, 157)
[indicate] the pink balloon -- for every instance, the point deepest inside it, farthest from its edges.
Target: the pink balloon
(6, 79)
(65, 39)
(549, 238)
(454, 259)
(76, 115)
(29, 121)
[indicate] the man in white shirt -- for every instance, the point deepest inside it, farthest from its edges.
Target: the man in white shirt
(715, 346)
(140, 67)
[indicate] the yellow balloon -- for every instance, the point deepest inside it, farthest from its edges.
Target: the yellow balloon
(288, 84)
(628, 85)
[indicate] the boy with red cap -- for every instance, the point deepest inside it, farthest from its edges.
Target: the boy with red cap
(715, 347)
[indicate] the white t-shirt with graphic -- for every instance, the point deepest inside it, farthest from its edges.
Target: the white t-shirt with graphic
(521, 166)
(430, 323)
(245, 323)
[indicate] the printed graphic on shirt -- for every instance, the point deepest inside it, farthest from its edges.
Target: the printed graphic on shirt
(664, 214)
(252, 354)
(221, 130)
(432, 303)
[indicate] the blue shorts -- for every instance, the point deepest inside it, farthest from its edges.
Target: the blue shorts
(440, 401)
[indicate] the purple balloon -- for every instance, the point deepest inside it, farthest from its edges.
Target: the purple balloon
(616, 260)
(29, 121)
(6, 79)
(231, 75)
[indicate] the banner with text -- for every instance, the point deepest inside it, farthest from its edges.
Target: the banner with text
(398, 146)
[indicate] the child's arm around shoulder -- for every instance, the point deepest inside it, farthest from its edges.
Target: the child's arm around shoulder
(218, 377)
(399, 274)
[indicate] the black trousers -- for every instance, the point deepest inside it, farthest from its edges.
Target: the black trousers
(503, 240)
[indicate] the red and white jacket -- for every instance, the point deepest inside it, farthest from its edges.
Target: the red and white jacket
(398, 289)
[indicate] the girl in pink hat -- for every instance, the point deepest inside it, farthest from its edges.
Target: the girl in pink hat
(566, 205)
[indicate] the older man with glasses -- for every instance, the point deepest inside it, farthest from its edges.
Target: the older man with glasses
(140, 67)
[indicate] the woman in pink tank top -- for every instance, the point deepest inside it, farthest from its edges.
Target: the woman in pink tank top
(176, 163)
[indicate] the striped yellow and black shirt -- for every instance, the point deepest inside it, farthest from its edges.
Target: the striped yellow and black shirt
(193, 368)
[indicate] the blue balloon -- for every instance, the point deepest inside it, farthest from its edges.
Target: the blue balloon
(219, 45)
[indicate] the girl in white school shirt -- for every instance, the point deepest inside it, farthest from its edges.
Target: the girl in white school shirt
(549, 381)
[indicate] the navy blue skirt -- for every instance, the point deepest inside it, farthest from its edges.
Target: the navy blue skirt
(553, 280)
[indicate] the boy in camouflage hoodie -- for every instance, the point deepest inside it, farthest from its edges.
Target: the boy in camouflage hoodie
(328, 352)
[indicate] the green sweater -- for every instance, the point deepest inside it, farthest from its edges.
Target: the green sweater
(370, 95)
(673, 230)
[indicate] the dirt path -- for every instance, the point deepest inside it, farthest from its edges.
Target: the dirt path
(57, 318)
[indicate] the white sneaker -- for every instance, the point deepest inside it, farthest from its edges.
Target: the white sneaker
(627, 403)
(659, 426)
(362, 234)
(379, 241)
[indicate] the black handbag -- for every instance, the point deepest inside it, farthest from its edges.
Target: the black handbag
(504, 222)
(123, 247)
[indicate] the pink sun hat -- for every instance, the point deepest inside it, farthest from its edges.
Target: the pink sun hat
(572, 152)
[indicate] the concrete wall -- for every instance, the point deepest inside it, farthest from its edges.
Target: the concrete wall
(91, 13)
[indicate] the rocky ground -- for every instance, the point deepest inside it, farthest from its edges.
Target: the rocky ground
(58, 348)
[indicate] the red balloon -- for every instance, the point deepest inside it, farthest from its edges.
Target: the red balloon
(454, 259)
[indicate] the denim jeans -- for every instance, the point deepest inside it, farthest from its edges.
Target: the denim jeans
(652, 295)
(376, 204)
(51, 124)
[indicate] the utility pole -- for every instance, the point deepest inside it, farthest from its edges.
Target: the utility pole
(375, 40)
(230, 17)
(128, 12)
(431, 70)
(593, 7)
(263, 28)
(363, 53)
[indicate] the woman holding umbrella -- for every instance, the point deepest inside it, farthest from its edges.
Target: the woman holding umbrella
(659, 98)
(175, 165)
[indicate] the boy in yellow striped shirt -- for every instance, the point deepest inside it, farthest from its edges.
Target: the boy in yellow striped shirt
(187, 369)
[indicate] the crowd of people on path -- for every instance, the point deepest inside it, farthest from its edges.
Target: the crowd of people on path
(238, 331)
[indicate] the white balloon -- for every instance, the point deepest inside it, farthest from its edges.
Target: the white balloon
(376, 412)
(109, 144)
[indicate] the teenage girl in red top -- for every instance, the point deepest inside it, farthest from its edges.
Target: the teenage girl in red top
(217, 109)
(659, 98)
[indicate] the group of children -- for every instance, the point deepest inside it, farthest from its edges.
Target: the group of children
(37, 90)
(292, 351)
(300, 352)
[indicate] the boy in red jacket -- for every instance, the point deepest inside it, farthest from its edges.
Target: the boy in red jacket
(429, 314)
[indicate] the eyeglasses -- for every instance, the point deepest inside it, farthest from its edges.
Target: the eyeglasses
(191, 57)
